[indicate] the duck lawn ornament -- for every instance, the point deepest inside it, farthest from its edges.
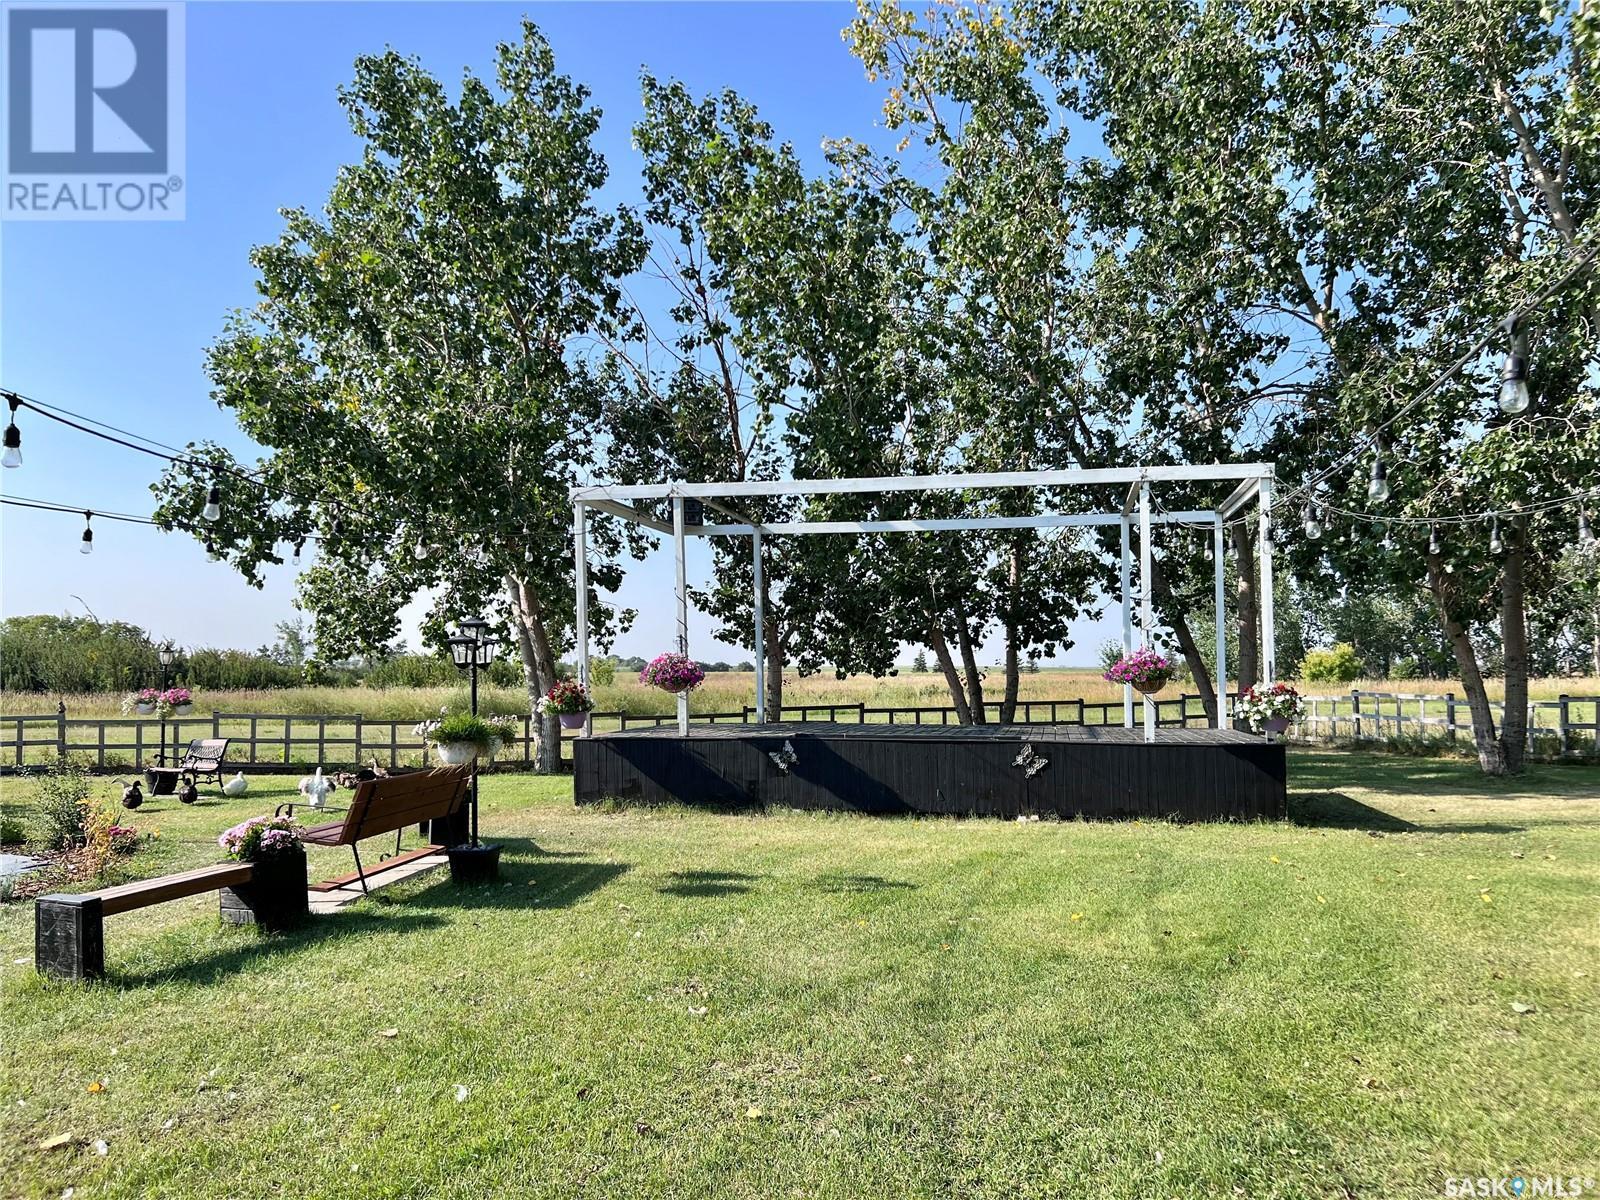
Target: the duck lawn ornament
(236, 785)
(132, 797)
(188, 793)
(315, 789)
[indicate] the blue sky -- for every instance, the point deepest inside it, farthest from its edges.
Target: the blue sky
(111, 318)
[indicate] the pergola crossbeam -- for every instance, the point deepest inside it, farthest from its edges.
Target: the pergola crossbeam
(1253, 481)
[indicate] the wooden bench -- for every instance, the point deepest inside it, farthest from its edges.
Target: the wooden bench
(69, 930)
(380, 806)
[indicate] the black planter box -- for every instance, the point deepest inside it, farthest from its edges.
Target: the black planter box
(473, 864)
(275, 898)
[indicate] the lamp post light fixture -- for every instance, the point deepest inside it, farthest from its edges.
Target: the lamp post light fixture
(166, 655)
(472, 649)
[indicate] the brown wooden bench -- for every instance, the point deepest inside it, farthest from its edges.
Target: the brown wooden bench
(380, 806)
(69, 930)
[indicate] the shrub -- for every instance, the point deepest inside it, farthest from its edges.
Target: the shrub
(1336, 664)
(12, 832)
(64, 804)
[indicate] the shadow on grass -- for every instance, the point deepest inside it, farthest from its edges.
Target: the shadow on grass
(843, 884)
(707, 883)
(529, 878)
(256, 950)
(1335, 810)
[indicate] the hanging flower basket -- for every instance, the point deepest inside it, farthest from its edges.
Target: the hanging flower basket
(672, 673)
(570, 701)
(1145, 670)
(179, 700)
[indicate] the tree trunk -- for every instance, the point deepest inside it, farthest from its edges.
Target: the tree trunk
(952, 681)
(1191, 652)
(969, 663)
(539, 674)
(1514, 639)
(1013, 668)
(1490, 757)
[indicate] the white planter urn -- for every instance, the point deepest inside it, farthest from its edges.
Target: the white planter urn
(182, 710)
(144, 710)
(453, 754)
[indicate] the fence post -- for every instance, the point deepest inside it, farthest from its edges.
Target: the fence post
(1563, 733)
(216, 723)
(1355, 712)
(861, 713)
(1450, 714)
(358, 740)
(61, 731)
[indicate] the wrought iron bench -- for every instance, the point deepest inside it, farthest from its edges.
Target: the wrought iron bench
(388, 805)
(205, 758)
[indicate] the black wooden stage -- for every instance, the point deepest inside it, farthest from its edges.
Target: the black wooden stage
(987, 770)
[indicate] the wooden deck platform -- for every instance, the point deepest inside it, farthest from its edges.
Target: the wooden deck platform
(986, 770)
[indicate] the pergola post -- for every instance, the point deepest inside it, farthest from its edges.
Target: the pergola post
(580, 620)
(681, 592)
(761, 633)
(1146, 605)
(1221, 626)
(1269, 665)
(1127, 621)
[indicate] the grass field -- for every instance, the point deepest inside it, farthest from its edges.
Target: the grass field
(726, 691)
(1398, 986)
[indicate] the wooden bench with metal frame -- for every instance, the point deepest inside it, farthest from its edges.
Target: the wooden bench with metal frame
(388, 805)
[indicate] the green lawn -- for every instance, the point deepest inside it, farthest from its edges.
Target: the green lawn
(674, 1003)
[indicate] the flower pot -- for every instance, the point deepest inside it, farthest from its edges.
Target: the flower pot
(275, 897)
(572, 720)
(473, 864)
(453, 754)
(672, 689)
(182, 710)
(1275, 724)
(144, 710)
(1151, 686)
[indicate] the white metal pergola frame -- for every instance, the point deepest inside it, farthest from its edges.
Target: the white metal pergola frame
(1253, 481)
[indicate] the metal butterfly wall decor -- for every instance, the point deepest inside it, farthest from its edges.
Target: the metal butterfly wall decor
(784, 758)
(1030, 762)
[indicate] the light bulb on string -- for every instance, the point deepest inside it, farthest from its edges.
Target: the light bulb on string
(419, 551)
(87, 546)
(1378, 484)
(1309, 522)
(13, 454)
(298, 546)
(1388, 541)
(1585, 534)
(1514, 396)
(213, 509)
(1496, 546)
(211, 551)
(1433, 541)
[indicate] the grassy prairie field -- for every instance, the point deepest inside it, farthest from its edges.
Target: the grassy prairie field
(1398, 986)
(726, 691)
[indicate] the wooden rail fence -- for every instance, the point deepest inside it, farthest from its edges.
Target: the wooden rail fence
(293, 742)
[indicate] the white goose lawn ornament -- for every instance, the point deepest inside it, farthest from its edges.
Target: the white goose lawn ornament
(236, 785)
(315, 789)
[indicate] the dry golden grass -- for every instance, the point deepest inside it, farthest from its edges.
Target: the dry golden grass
(725, 691)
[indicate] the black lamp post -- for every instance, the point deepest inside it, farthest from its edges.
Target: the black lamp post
(167, 655)
(470, 649)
